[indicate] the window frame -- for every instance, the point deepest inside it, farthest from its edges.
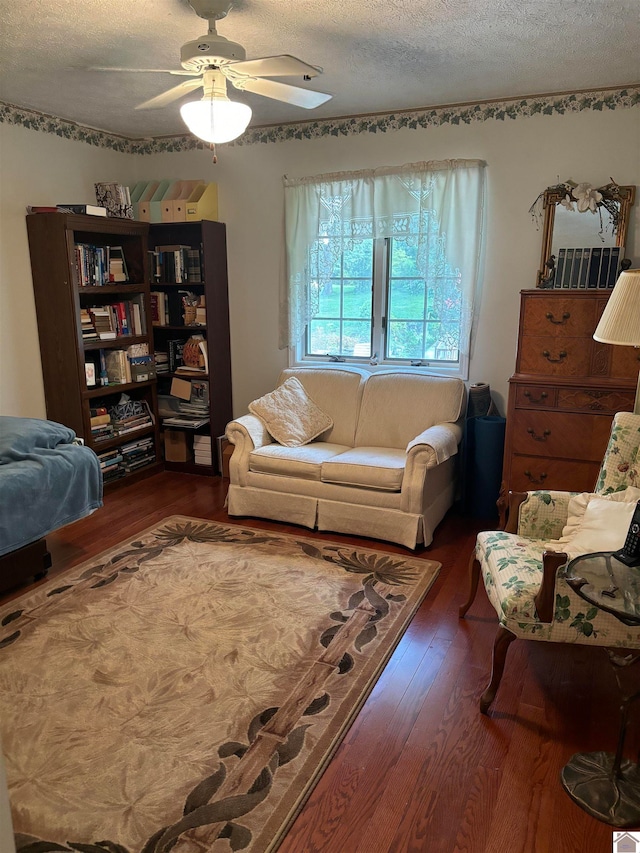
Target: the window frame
(380, 321)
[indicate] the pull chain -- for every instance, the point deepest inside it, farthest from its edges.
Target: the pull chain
(212, 146)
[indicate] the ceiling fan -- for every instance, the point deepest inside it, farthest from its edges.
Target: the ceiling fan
(210, 61)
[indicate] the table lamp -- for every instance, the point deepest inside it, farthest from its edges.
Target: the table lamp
(620, 321)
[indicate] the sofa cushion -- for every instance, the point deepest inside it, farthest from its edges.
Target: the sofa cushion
(304, 462)
(337, 390)
(290, 415)
(423, 401)
(368, 467)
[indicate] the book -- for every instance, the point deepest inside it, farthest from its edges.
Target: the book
(39, 208)
(97, 420)
(575, 268)
(568, 269)
(613, 266)
(604, 268)
(557, 282)
(118, 371)
(594, 267)
(90, 209)
(584, 267)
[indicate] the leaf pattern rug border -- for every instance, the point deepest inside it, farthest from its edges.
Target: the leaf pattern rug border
(362, 634)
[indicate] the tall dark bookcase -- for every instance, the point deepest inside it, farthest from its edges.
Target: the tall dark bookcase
(60, 297)
(209, 239)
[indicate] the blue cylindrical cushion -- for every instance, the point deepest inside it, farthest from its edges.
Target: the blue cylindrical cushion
(486, 465)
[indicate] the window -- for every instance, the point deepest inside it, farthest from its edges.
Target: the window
(386, 309)
(383, 265)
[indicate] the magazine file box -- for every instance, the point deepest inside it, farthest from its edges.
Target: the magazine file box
(143, 211)
(203, 203)
(180, 204)
(155, 205)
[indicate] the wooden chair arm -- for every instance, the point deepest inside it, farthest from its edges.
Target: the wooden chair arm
(545, 599)
(514, 499)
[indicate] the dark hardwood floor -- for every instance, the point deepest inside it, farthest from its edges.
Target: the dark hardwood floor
(421, 770)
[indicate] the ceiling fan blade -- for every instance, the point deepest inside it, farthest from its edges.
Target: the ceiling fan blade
(146, 70)
(171, 94)
(306, 98)
(276, 66)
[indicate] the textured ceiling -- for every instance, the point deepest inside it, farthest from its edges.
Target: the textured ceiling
(377, 56)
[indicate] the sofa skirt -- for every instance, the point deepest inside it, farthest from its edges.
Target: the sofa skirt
(390, 525)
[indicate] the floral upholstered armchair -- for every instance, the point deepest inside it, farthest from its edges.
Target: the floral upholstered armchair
(523, 566)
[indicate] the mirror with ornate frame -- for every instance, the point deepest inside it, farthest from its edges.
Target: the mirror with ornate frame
(577, 215)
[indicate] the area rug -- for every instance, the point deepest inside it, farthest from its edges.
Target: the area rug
(184, 690)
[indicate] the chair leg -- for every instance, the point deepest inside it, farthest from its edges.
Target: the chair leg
(474, 577)
(501, 645)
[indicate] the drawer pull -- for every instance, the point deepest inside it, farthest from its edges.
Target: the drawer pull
(539, 481)
(562, 322)
(547, 355)
(543, 396)
(535, 437)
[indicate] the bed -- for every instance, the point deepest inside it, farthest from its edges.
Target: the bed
(47, 480)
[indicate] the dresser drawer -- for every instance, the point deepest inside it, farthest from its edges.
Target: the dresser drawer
(559, 317)
(551, 356)
(561, 435)
(596, 400)
(533, 472)
(535, 397)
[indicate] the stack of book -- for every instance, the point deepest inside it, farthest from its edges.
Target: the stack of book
(131, 423)
(111, 465)
(101, 426)
(588, 268)
(104, 322)
(202, 449)
(89, 333)
(162, 362)
(92, 265)
(118, 271)
(137, 454)
(176, 264)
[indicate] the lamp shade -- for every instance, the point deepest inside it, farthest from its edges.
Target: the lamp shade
(620, 321)
(216, 119)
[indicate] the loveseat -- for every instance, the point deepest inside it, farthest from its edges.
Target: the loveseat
(385, 468)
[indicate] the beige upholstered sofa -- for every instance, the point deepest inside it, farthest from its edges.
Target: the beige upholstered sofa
(386, 468)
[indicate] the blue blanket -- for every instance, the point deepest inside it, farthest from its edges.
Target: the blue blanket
(46, 481)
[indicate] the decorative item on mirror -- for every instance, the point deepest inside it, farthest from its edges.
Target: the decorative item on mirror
(582, 251)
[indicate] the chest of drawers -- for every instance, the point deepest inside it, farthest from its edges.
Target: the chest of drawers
(564, 393)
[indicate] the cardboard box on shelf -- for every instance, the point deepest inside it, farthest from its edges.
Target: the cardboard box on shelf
(177, 446)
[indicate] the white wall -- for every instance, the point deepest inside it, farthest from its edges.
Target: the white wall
(524, 156)
(40, 169)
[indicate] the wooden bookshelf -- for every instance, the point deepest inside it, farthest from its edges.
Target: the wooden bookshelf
(210, 239)
(60, 296)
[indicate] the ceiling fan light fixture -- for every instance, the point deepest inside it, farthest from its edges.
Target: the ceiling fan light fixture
(216, 118)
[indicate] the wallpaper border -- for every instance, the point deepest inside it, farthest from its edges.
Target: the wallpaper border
(499, 110)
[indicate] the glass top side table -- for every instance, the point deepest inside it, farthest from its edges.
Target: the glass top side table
(606, 785)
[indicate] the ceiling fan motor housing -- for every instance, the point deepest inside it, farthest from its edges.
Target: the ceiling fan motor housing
(210, 50)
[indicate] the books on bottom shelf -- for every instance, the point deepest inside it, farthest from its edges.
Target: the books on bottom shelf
(202, 449)
(127, 458)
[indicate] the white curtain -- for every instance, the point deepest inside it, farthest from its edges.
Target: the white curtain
(431, 202)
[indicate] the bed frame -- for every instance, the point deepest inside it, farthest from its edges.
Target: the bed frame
(31, 561)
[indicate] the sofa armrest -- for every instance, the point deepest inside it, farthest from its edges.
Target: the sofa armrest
(424, 453)
(246, 433)
(438, 443)
(543, 514)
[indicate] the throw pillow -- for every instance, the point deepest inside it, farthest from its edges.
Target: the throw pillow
(290, 415)
(603, 526)
(578, 505)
